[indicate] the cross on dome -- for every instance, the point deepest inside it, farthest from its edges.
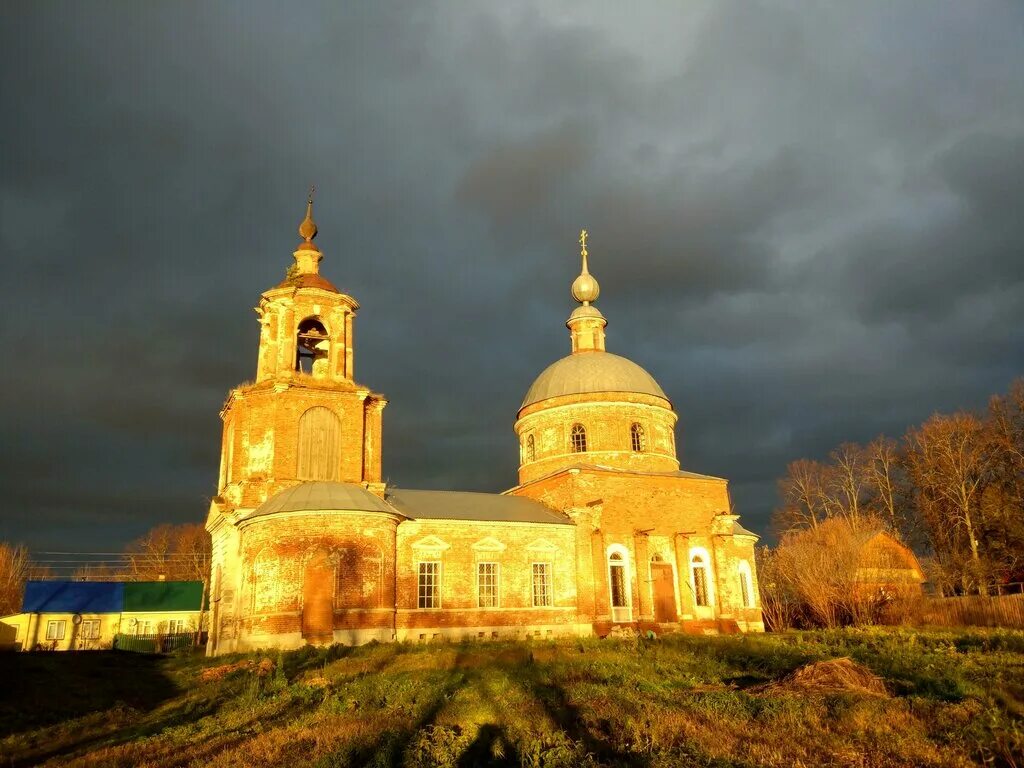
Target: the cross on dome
(585, 288)
(307, 229)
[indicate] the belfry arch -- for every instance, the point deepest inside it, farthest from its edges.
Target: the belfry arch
(312, 348)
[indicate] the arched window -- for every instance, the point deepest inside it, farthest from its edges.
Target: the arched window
(619, 590)
(531, 449)
(636, 437)
(746, 585)
(319, 445)
(312, 348)
(578, 438)
(699, 570)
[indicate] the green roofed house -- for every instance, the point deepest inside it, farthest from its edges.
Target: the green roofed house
(83, 615)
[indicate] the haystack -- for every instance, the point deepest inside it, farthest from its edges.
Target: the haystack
(833, 676)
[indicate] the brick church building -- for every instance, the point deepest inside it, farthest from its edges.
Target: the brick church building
(604, 529)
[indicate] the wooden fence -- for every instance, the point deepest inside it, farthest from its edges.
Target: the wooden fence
(974, 611)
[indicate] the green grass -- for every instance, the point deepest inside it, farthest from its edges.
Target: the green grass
(957, 699)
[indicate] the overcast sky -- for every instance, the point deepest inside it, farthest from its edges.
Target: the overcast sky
(807, 220)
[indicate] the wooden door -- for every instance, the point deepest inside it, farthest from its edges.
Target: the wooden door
(318, 599)
(664, 588)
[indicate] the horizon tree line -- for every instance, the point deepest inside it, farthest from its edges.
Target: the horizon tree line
(952, 488)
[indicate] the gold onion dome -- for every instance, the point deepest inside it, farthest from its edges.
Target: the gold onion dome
(590, 369)
(585, 288)
(307, 229)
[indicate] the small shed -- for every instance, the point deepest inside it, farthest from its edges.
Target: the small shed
(888, 565)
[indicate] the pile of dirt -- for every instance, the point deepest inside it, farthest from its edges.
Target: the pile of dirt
(262, 669)
(832, 676)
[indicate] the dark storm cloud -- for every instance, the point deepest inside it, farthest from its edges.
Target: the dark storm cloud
(804, 221)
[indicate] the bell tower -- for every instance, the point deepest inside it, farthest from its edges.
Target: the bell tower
(305, 418)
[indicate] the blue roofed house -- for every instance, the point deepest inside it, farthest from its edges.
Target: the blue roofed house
(87, 615)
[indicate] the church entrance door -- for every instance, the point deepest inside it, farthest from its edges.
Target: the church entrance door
(318, 599)
(663, 585)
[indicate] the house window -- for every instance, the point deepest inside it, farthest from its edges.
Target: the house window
(637, 439)
(175, 626)
(541, 585)
(531, 449)
(746, 592)
(700, 580)
(55, 629)
(429, 588)
(144, 627)
(487, 585)
(578, 438)
(90, 629)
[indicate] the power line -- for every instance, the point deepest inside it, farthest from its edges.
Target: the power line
(124, 554)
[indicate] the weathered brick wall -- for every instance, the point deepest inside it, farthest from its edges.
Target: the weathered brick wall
(662, 518)
(282, 309)
(262, 429)
(608, 419)
(279, 554)
(459, 546)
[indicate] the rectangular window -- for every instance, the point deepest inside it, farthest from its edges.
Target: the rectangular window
(429, 587)
(700, 586)
(144, 628)
(487, 585)
(541, 584)
(175, 626)
(90, 629)
(55, 629)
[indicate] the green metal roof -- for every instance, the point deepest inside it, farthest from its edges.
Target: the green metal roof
(163, 595)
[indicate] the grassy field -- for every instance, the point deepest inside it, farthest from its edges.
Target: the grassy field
(950, 698)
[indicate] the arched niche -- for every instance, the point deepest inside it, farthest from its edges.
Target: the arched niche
(319, 455)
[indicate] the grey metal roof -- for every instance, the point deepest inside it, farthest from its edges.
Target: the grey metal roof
(464, 505)
(303, 497)
(593, 371)
(739, 530)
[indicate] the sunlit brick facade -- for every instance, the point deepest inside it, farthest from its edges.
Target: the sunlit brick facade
(310, 546)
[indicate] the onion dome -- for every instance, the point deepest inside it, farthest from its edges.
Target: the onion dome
(589, 369)
(585, 288)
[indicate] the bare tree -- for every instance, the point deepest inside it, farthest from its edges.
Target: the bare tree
(947, 461)
(885, 474)
(802, 491)
(171, 552)
(820, 566)
(1003, 499)
(14, 570)
(847, 483)
(779, 601)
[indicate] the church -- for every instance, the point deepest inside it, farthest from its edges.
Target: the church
(603, 530)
